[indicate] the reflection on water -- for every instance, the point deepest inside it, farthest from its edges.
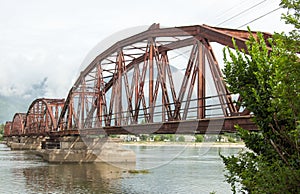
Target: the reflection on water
(26, 173)
(77, 178)
(190, 172)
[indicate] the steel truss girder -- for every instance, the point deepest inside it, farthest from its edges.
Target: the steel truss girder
(18, 124)
(42, 116)
(7, 129)
(120, 88)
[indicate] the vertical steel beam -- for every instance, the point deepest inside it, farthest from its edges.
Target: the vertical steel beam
(111, 104)
(99, 103)
(151, 69)
(136, 97)
(70, 113)
(118, 107)
(163, 109)
(47, 121)
(82, 99)
(201, 83)
(56, 115)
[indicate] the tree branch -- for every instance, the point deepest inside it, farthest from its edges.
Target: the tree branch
(278, 151)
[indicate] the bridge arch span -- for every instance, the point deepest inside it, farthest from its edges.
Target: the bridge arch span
(18, 123)
(135, 81)
(7, 129)
(42, 115)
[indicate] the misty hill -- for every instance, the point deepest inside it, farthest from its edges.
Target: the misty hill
(9, 105)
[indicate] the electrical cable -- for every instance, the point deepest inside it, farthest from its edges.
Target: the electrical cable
(240, 13)
(259, 17)
(236, 6)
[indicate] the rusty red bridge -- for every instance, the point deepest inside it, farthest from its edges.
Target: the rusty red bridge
(159, 81)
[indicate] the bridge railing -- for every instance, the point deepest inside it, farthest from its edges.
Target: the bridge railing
(213, 109)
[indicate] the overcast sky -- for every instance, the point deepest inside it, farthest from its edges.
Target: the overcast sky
(50, 38)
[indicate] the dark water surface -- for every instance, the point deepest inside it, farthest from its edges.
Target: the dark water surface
(172, 169)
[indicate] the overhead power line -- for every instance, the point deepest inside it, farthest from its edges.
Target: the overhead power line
(259, 17)
(230, 10)
(240, 13)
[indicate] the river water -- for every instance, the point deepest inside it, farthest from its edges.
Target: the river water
(172, 169)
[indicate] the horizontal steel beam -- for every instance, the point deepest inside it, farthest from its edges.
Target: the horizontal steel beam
(200, 126)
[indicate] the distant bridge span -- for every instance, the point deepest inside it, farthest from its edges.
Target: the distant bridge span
(162, 80)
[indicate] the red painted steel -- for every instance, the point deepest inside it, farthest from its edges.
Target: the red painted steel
(132, 82)
(159, 76)
(7, 129)
(42, 116)
(18, 124)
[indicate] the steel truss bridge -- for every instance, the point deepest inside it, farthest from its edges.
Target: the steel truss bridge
(161, 81)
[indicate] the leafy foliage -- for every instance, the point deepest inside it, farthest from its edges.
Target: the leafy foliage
(199, 138)
(144, 137)
(1, 131)
(267, 77)
(181, 138)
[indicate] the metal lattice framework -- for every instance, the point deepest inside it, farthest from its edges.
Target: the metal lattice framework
(162, 77)
(7, 129)
(18, 123)
(42, 115)
(157, 76)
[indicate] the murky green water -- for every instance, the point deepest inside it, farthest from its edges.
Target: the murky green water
(172, 169)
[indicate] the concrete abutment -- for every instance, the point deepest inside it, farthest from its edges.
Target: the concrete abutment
(75, 149)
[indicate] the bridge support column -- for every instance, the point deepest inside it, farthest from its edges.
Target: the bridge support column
(25, 143)
(76, 149)
(8, 141)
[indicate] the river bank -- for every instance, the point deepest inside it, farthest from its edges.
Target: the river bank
(189, 144)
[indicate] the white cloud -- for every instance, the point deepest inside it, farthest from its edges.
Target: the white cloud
(51, 38)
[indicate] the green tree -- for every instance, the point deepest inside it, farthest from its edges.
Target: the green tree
(181, 138)
(144, 137)
(199, 138)
(268, 82)
(1, 131)
(157, 138)
(162, 137)
(170, 137)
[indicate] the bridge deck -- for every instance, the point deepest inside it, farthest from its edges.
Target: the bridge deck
(199, 126)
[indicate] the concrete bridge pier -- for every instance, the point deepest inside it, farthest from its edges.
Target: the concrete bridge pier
(70, 149)
(24, 142)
